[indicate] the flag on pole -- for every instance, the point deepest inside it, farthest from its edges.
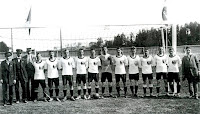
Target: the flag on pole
(164, 12)
(28, 20)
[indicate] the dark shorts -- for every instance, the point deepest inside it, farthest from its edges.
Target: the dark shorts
(80, 77)
(66, 78)
(36, 84)
(53, 80)
(93, 76)
(173, 76)
(145, 76)
(161, 74)
(122, 76)
(134, 76)
(106, 75)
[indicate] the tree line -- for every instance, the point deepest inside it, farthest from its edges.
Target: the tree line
(188, 34)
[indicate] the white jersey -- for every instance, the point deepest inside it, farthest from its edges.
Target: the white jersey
(81, 65)
(134, 64)
(161, 63)
(146, 64)
(67, 65)
(106, 61)
(39, 70)
(51, 66)
(93, 65)
(120, 63)
(174, 63)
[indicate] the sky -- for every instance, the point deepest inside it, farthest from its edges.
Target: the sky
(85, 20)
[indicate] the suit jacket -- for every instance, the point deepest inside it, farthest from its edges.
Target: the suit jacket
(190, 65)
(24, 75)
(7, 74)
(29, 66)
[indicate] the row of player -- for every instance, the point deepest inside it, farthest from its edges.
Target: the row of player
(167, 67)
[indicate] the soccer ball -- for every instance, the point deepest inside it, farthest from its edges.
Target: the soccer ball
(96, 96)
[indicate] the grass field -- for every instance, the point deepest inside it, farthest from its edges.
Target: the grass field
(110, 105)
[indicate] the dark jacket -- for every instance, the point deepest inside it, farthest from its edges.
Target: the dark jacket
(7, 74)
(29, 66)
(22, 70)
(190, 65)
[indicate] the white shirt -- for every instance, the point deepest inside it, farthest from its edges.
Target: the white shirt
(67, 65)
(81, 65)
(106, 61)
(93, 65)
(134, 64)
(174, 63)
(146, 64)
(51, 66)
(39, 70)
(161, 63)
(120, 63)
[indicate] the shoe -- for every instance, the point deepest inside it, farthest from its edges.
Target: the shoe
(25, 101)
(51, 99)
(89, 97)
(4, 105)
(57, 99)
(178, 95)
(45, 99)
(17, 102)
(9, 103)
(151, 95)
(158, 95)
(78, 97)
(35, 101)
(101, 97)
(110, 95)
(190, 96)
(72, 98)
(196, 97)
(85, 97)
(125, 96)
(135, 95)
(65, 98)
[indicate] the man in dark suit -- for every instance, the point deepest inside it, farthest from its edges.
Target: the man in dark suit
(29, 59)
(21, 76)
(7, 78)
(191, 70)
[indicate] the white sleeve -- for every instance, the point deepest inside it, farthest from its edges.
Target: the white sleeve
(45, 64)
(179, 61)
(99, 62)
(125, 61)
(155, 60)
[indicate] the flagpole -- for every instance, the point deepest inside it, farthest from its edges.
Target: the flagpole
(12, 41)
(60, 42)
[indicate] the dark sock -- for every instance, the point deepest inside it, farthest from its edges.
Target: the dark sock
(71, 92)
(57, 92)
(65, 93)
(151, 89)
(158, 89)
(89, 91)
(131, 87)
(79, 92)
(178, 88)
(166, 89)
(144, 89)
(110, 89)
(84, 91)
(172, 88)
(51, 92)
(97, 90)
(118, 90)
(125, 90)
(103, 89)
(136, 89)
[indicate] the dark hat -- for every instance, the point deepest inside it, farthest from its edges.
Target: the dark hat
(188, 47)
(19, 50)
(8, 54)
(28, 49)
